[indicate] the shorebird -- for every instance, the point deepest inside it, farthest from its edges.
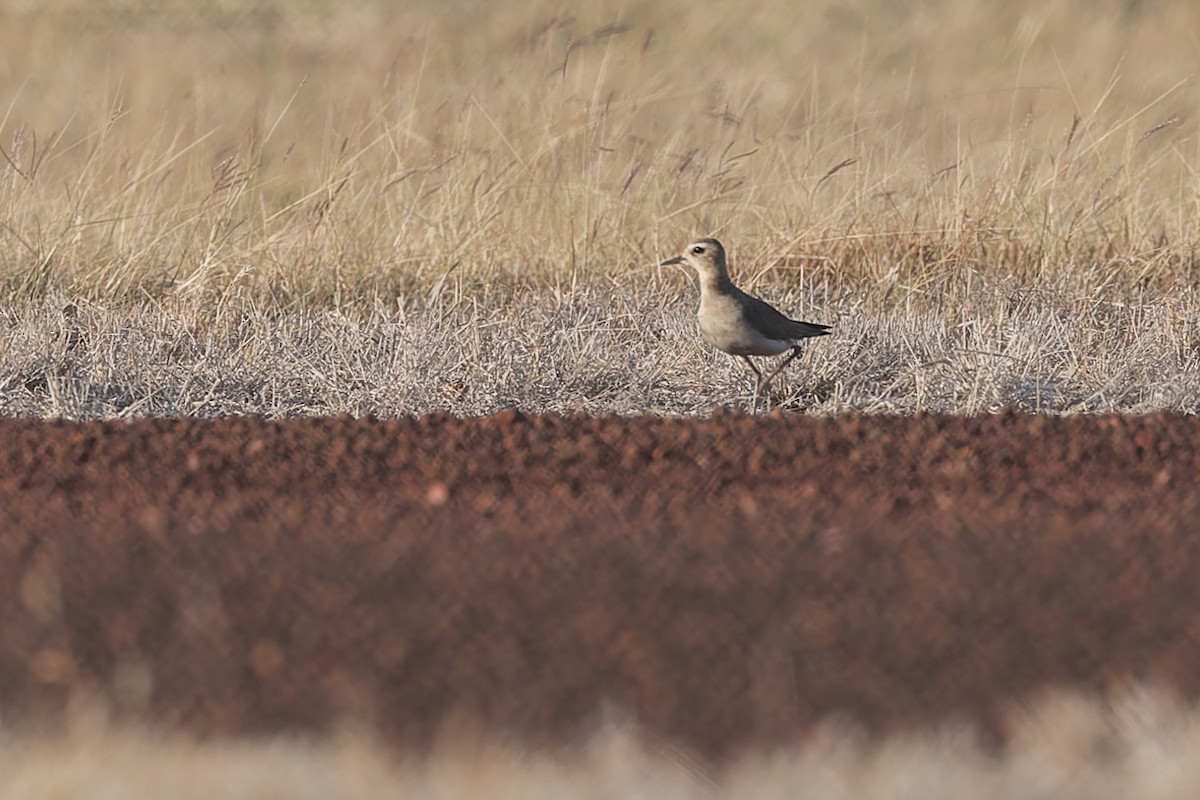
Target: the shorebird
(739, 323)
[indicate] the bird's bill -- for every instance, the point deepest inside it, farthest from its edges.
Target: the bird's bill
(670, 261)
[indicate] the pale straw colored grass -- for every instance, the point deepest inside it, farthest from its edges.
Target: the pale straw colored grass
(1144, 744)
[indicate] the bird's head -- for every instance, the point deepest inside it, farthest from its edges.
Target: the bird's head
(706, 256)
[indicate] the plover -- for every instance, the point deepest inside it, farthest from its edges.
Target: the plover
(739, 323)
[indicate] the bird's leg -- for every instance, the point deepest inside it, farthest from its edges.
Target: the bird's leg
(796, 351)
(757, 384)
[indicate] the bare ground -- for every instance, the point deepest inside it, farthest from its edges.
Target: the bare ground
(727, 584)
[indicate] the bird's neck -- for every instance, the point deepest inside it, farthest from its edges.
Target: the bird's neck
(716, 282)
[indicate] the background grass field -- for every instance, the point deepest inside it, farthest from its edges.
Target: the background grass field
(337, 153)
(995, 204)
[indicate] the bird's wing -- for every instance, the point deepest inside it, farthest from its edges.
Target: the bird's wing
(775, 325)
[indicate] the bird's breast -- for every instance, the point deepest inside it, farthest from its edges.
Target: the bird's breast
(724, 325)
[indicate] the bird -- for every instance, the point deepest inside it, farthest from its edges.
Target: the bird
(739, 323)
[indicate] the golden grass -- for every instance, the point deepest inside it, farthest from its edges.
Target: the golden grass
(1144, 744)
(320, 153)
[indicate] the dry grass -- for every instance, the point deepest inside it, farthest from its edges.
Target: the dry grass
(306, 208)
(326, 154)
(624, 352)
(1144, 745)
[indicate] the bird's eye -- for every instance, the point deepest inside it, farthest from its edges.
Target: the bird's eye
(698, 249)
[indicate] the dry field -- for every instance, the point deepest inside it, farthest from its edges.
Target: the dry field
(307, 208)
(325, 154)
(304, 208)
(619, 351)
